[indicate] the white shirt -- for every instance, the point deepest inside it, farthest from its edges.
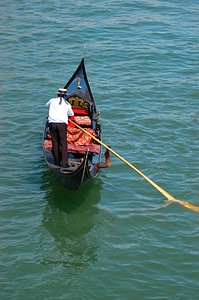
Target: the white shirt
(59, 113)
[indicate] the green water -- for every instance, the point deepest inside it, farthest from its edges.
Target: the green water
(116, 238)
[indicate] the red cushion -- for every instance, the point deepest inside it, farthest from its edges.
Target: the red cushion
(80, 111)
(82, 149)
(78, 137)
(83, 120)
(75, 148)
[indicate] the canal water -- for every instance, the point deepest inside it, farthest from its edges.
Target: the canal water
(117, 237)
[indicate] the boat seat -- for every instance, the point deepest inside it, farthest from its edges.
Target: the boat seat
(77, 137)
(92, 148)
(80, 111)
(78, 141)
(81, 117)
(82, 120)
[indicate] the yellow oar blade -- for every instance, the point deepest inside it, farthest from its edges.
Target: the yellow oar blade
(187, 205)
(155, 185)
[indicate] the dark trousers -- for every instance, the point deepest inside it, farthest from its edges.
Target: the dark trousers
(59, 143)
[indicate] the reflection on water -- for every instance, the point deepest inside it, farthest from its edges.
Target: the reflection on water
(69, 217)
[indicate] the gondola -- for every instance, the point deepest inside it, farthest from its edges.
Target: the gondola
(83, 151)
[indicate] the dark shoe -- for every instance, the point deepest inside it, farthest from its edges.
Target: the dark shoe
(66, 166)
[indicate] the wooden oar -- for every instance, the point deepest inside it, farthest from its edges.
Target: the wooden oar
(155, 185)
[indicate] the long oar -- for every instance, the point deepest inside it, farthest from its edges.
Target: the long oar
(161, 190)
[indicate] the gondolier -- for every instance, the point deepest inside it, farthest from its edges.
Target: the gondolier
(59, 111)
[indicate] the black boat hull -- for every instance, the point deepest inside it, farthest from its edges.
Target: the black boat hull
(75, 176)
(82, 159)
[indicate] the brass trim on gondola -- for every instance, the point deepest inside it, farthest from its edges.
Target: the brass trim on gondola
(77, 102)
